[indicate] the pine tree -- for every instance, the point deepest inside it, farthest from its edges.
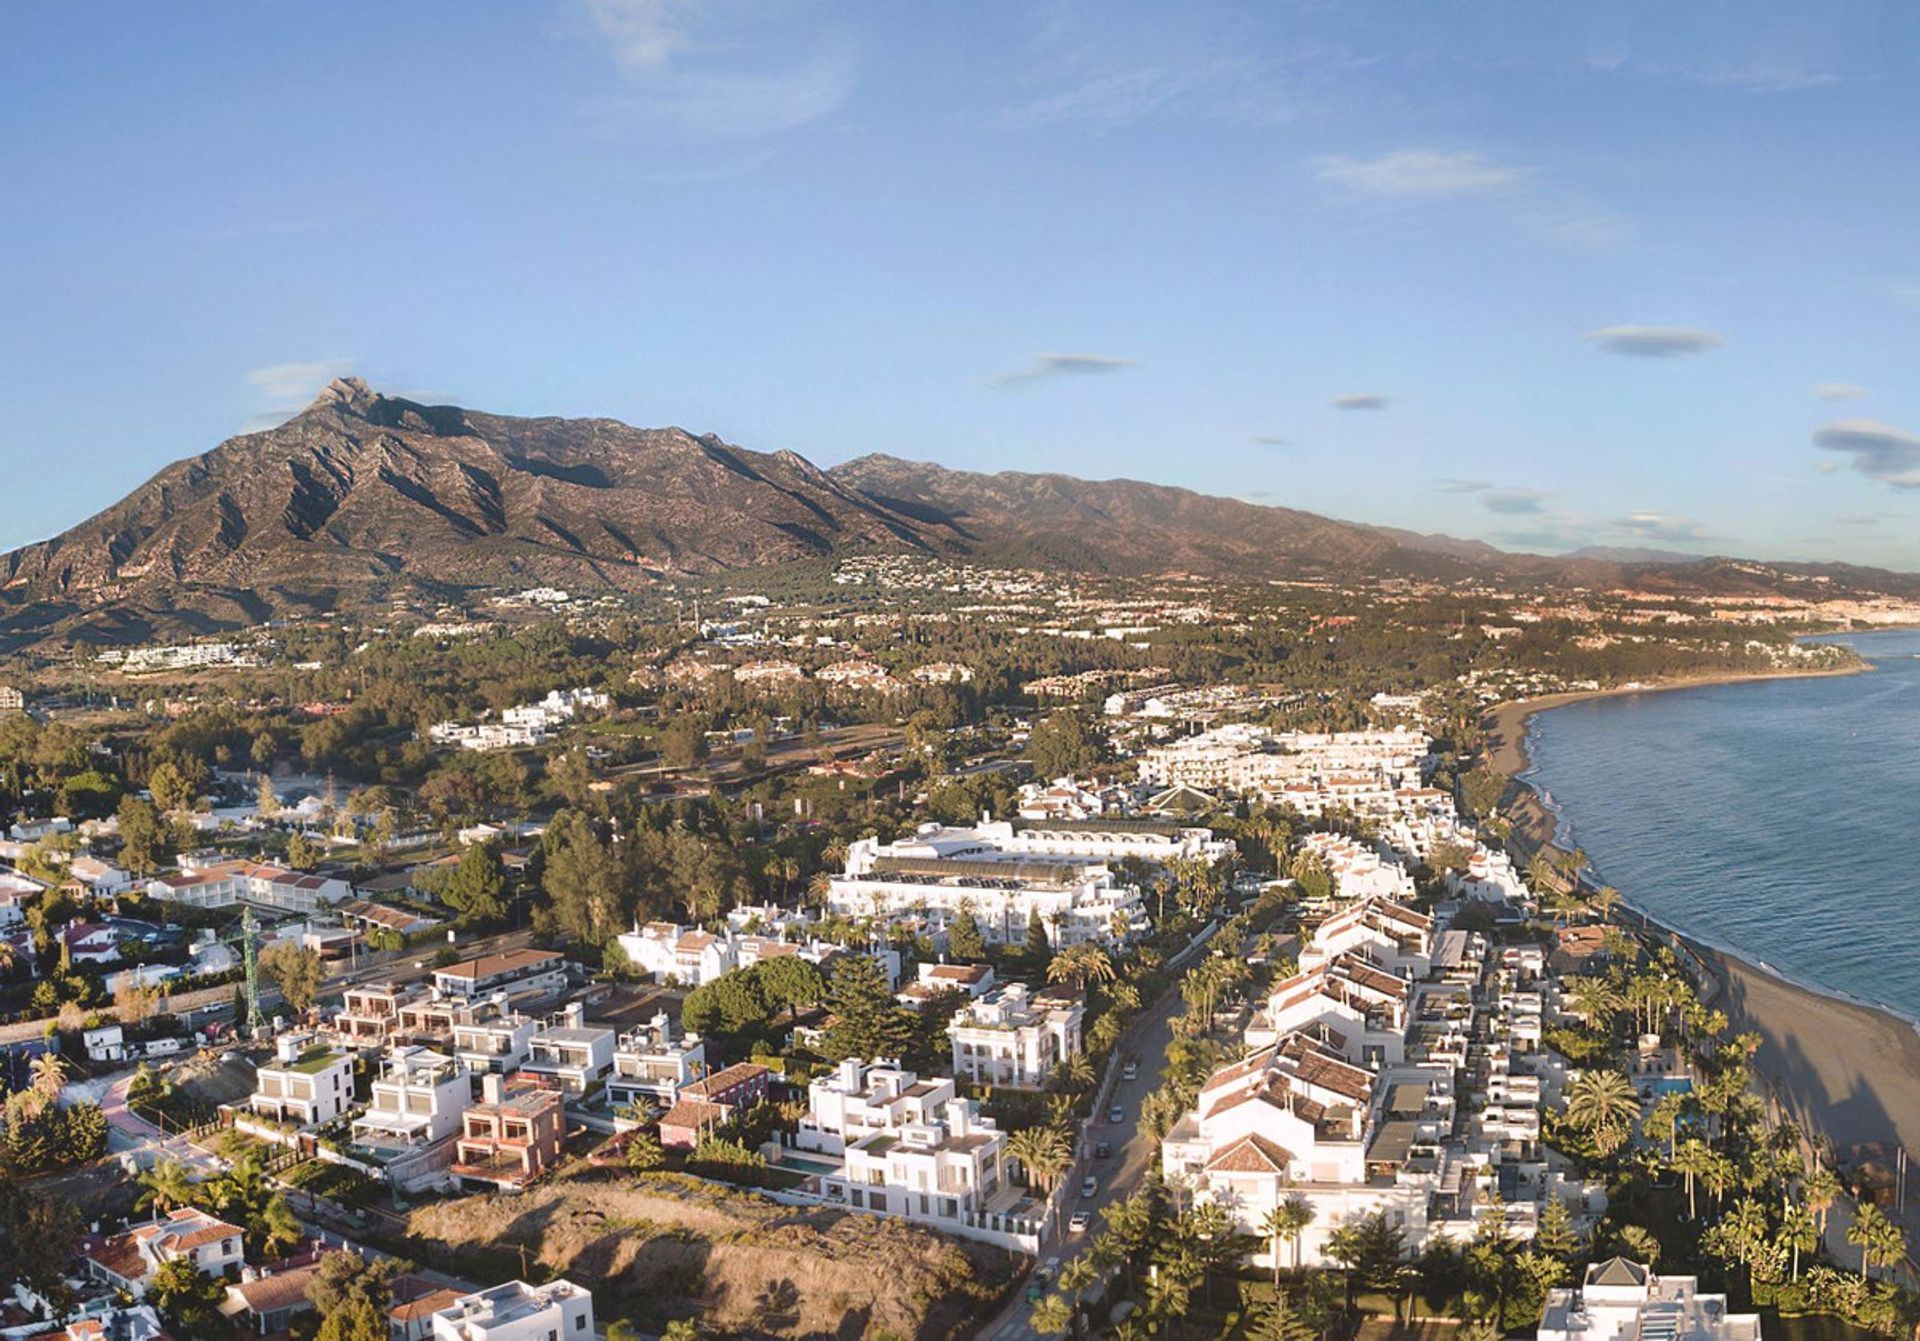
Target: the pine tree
(868, 1022)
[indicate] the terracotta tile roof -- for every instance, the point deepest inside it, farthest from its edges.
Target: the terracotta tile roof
(283, 1289)
(693, 1114)
(720, 1082)
(1252, 1153)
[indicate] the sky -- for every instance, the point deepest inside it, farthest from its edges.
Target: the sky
(1551, 275)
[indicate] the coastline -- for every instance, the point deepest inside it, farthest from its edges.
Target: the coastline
(1841, 1068)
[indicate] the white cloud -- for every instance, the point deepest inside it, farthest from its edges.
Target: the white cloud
(704, 73)
(1274, 442)
(1878, 451)
(1661, 526)
(1838, 391)
(1420, 172)
(1234, 90)
(1046, 366)
(1361, 400)
(1527, 196)
(1452, 486)
(1654, 342)
(294, 384)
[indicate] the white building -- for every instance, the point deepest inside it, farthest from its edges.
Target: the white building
(516, 1311)
(1012, 1036)
(911, 1148)
(417, 1101)
(652, 1061)
(1619, 1300)
(572, 1054)
(933, 875)
(671, 953)
(494, 1041)
(307, 1084)
(274, 888)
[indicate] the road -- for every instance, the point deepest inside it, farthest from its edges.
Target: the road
(1134, 1153)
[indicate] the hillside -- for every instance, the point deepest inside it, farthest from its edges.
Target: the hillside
(362, 497)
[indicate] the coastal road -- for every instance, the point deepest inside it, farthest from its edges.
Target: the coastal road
(1120, 1175)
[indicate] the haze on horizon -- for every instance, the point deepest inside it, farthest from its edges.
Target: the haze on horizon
(1549, 277)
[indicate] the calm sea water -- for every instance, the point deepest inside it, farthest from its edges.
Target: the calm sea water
(1779, 820)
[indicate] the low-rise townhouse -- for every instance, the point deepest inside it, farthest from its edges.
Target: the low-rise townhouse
(516, 1311)
(510, 1138)
(1015, 1036)
(308, 1084)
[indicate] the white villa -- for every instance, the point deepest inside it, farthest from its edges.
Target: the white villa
(653, 1060)
(912, 1148)
(1012, 1036)
(516, 1311)
(306, 1084)
(1620, 1300)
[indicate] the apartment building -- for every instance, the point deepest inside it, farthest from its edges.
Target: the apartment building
(1015, 1036)
(510, 1138)
(516, 1311)
(652, 1061)
(417, 1100)
(307, 1084)
(273, 888)
(369, 1014)
(570, 1054)
(932, 876)
(494, 1040)
(907, 1147)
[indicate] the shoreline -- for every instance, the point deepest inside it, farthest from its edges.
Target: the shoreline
(1845, 1069)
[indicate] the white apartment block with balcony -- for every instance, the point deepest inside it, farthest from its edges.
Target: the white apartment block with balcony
(652, 1061)
(307, 1084)
(1013, 1036)
(683, 956)
(495, 1042)
(930, 877)
(569, 1053)
(911, 1148)
(516, 1311)
(1359, 869)
(1249, 759)
(417, 1101)
(1349, 1005)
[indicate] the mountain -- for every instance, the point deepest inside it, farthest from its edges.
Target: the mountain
(363, 494)
(1631, 554)
(363, 497)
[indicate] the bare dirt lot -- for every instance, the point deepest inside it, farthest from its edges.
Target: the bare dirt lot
(662, 1246)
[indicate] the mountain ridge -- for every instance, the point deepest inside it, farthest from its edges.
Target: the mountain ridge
(362, 496)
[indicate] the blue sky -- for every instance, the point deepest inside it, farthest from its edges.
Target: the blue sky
(1552, 275)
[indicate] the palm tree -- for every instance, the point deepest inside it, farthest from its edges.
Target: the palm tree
(1668, 1112)
(1879, 1239)
(1799, 1232)
(48, 1074)
(166, 1185)
(1051, 1316)
(1075, 1278)
(1692, 1159)
(1746, 1228)
(1602, 1102)
(1044, 1153)
(1821, 1189)
(1595, 999)
(1289, 1221)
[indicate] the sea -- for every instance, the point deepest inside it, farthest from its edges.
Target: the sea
(1777, 820)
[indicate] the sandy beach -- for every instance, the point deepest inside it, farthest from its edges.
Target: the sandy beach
(1847, 1071)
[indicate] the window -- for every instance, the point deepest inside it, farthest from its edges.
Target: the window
(580, 1323)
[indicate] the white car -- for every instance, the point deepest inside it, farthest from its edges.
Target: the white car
(1131, 1071)
(1089, 1187)
(1077, 1223)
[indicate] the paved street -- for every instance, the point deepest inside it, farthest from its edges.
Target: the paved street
(1120, 1174)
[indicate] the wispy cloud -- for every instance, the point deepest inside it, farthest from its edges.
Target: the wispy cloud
(1420, 172)
(1661, 526)
(1838, 391)
(1514, 502)
(1228, 89)
(703, 73)
(283, 389)
(1654, 342)
(1048, 366)
(1879, 451)
(1405, 177)
(1451, 486)
(1361, 400)
(1274, 442)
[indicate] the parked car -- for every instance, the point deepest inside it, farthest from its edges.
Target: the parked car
(1077, 1222)
(1116, 1115)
